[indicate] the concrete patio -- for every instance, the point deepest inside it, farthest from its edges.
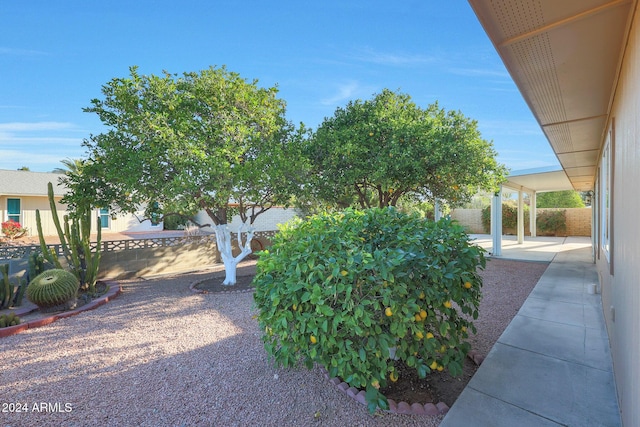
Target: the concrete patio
(552, 365)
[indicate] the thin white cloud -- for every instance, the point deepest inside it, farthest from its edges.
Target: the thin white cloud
(20, 52)
(12, 141)
(35, 126)
(344, 92)
(392, 58)
(479, 72)
(41, 161)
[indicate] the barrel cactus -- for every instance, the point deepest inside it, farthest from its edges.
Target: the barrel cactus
(53, 290)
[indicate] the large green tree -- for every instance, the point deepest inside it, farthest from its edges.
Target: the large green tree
(559, 199)
(376, 152)
(180, 144)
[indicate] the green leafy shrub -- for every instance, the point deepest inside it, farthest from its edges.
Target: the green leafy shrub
(53, 290)
(552, 222)
(175, 222)
(347, 289)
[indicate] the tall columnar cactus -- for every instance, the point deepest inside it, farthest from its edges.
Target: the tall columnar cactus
(75, 240)
(36, 265)
(10, 296)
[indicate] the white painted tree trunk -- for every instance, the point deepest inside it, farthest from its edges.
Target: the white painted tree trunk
(223, 240)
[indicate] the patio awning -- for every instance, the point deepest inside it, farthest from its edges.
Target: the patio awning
(564, 56)
(539, 180)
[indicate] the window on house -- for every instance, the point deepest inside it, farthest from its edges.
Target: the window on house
(13, 210)
(104, 217)
(155, 214)
(606, 199)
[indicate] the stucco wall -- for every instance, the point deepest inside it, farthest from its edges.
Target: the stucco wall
(267, 221)
(621, 290)
(130, 223)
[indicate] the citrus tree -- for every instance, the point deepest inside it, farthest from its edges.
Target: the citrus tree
(195, 142)
(375, 152)
(359, 291)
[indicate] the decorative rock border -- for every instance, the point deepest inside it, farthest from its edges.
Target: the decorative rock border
(113, 291)
(476, 357)
(405, 408)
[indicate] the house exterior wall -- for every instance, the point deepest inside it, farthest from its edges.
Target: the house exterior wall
(130, 223)
(620, 283)
(28, 206)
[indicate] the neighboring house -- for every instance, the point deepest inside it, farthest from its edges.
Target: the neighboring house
(267, 221)
(577, 64)
(24, 192)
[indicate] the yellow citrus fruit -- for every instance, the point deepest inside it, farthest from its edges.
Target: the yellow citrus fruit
(344, 272)
(423, 314)
(418, 318)
(440, 368)
(434, 365)
(370, 133)
(388, 311)
(463, 329)
(467, 285)
(447, 304)
(422, 295)
(429, 335)
(393, 377)
(419, 335)
(313, 339)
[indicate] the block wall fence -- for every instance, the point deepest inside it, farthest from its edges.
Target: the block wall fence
(142, 257)
(578, 220)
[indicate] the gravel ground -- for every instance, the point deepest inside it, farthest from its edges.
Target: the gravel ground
(160, 355)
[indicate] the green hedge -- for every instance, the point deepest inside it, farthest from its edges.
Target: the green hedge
(550, 222)
(509, 217)
(554, 222)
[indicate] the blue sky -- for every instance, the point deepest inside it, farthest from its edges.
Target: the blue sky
(55, 57)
